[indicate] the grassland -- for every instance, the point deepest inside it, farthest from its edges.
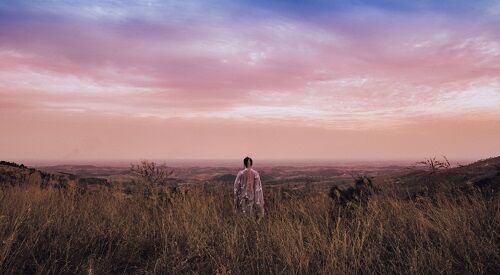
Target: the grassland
(60, 231)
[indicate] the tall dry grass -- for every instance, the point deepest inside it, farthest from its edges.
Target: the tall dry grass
(49, 231)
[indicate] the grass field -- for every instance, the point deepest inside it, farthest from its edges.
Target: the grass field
(53, 231)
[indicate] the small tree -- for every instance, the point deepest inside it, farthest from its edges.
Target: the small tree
(151, 175)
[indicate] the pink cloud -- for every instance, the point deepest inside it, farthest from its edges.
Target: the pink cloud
(279, 71)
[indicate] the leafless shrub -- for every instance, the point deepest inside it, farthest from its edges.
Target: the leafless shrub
(151, 175)
(434, 164)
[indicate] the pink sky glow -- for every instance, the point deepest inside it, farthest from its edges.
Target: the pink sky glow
(172, 81)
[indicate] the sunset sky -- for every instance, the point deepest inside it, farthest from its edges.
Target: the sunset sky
(354, 80)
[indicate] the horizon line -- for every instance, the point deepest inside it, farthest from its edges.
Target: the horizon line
(234, 161)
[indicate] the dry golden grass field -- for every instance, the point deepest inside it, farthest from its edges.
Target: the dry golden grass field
(63, 231)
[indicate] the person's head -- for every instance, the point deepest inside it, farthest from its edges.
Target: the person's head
(248, 162)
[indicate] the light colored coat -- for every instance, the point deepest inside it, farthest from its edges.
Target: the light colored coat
(248, 187)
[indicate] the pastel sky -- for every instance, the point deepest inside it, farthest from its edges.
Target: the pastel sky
(375, 80)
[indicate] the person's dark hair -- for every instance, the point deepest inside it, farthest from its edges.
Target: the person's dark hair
(247, 161)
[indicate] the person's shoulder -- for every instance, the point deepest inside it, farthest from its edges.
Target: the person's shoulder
(241, 172)
(255, 173)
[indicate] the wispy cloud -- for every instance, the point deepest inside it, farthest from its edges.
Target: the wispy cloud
(336, 65)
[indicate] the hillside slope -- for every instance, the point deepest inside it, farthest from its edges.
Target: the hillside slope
(483, 175)
(13, 174)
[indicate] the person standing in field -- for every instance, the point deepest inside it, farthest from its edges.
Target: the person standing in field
(248, 193)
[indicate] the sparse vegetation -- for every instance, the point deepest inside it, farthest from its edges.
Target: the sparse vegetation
(49, 231)
(434, 164)
(151, 176)
(360, 193)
